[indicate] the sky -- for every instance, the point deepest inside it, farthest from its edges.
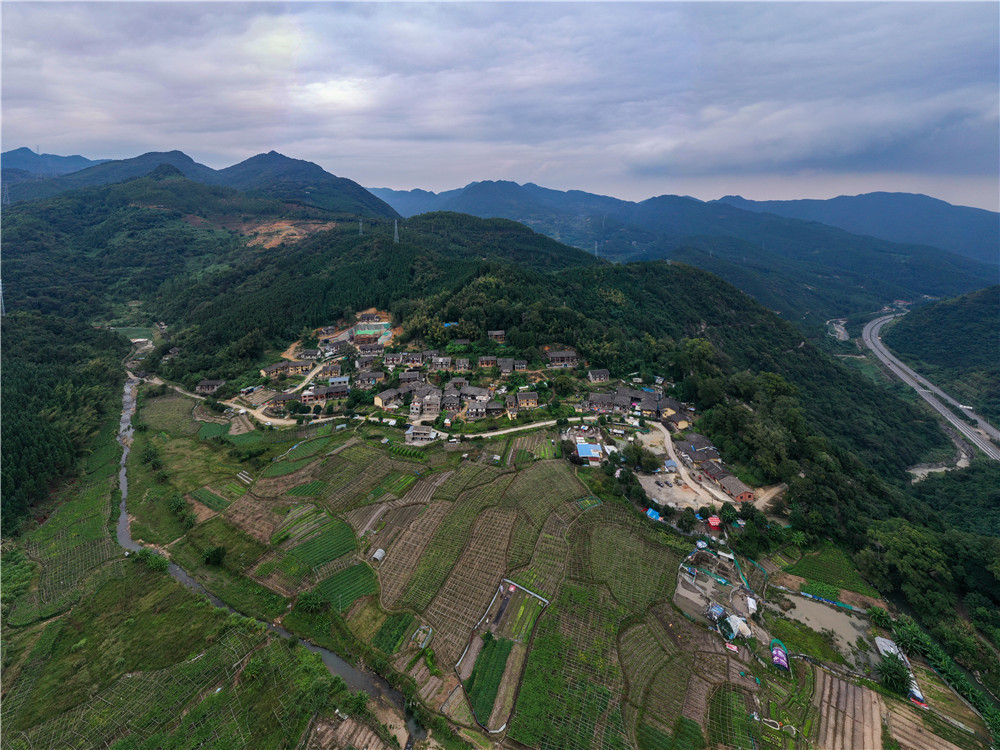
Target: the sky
(766, 100)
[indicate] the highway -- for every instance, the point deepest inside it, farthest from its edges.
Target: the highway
(931, 393)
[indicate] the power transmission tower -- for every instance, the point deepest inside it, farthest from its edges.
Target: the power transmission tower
(3, 308)
(595, 249)
(6, 194)
(395, 236)
(361, 227)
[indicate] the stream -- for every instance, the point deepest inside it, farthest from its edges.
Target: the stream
(356, 679)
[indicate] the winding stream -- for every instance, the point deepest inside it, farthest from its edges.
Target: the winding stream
(356, 679)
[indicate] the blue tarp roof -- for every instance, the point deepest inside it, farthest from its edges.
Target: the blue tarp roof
(653, 514)
(588, 450)
(669, 463)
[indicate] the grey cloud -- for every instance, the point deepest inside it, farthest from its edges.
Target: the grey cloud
(627, 95)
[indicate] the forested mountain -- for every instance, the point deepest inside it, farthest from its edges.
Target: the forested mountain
(48, 165)
(954, 343)
(61, 382)
(808, 272)
(898, 217)
(271, 175)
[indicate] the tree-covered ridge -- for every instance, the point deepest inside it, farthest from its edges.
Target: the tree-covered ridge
(60, 385)
(954, 343)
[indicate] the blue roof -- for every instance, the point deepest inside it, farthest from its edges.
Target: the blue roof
(588, 450)
(669, 462)
(653, 514)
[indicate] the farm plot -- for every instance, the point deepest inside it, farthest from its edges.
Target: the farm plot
(282, 573)
(831, 566)
(467, 592)
(299, 523)
(344, 588)
(309, 489)
(483, 685)
(468, 476)
(209, 499)
(570, 694)
(519, 618)
(349, 489)
(424, 489)
(331, 541)
(637, 572)
(401, 561)
(394, 632)
(641, 658)
(448, 541)
(850, 714)
(548, 561)
(665, 697)
(254, 516)
(171, 413)
(537, 492)
(729, 722)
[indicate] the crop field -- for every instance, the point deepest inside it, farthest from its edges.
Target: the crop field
(729, 722)
(569, 696)
(285, 467)
(352, 483)
(522, 612)
(637, 572)
(393, 633)
(172, 413)
(464, 596)
(851, 715)
(537, 492)
(74, 541)
(441, 554)
(309, 489)
(641, 658)
(211, 430)
(345, 587)
(253, 515)
(401, 559)
(831, 566)
(308, 449)
(466, 477)
(548, 560)
(587, 502)
(300, 522)
(334, 539)
(484, 683)
(209, 499)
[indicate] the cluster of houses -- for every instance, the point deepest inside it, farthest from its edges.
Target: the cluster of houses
(649, 404)
(698, 452)
(427, 401)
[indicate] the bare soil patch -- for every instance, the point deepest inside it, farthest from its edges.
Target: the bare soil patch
(254, 516)
(851, 715)
(201, 511)
(508, 687)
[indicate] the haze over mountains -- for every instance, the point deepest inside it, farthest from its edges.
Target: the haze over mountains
(795, 265)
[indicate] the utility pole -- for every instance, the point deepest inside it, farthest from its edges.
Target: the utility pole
(361, 227)
(6, 194)
(3, 308)
(395, 236)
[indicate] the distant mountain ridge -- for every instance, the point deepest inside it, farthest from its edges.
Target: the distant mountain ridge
(806, 270)
(45, 164)
(271, 175)
(898, 217)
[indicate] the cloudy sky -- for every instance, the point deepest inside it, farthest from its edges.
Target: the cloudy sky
(766, 100)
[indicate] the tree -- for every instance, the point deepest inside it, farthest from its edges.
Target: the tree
(311, 601)
(799, 539)
(893, 674)
(879, 618)
(728, 514)
(214, 555)
(687, 521)
(908, 636)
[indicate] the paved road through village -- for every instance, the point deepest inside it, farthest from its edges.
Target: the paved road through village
(931, 393)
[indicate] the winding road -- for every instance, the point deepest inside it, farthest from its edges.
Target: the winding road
(930, 393)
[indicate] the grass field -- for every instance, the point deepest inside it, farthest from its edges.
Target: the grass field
(802, 639)
(171, 413)
(345, 587)
(211, 430)
(833, 567)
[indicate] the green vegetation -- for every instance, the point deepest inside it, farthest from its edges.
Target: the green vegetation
(334, 539)
(832, 567)
(893, 674)
(343, 588)
(206, 497)
(822, 590)
(952, 343)
(483, 684)
(65, 379)
(687, 736)
(968, 499)
(390, 635)
(801, 639)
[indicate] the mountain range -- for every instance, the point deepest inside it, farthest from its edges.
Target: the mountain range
(802, 268)
(271, 175)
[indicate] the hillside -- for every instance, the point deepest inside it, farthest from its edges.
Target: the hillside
(897, 217)
(806, 271)
(953, 343)
(268, 175)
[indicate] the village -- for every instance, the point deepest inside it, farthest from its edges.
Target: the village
(437, 396)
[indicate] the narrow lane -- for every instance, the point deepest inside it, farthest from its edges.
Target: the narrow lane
(929, 392)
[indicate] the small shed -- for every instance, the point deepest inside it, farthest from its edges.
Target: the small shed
(714, 522)
(379, 555)
(653, 514)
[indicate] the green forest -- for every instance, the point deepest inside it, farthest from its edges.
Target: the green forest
(953, 343)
